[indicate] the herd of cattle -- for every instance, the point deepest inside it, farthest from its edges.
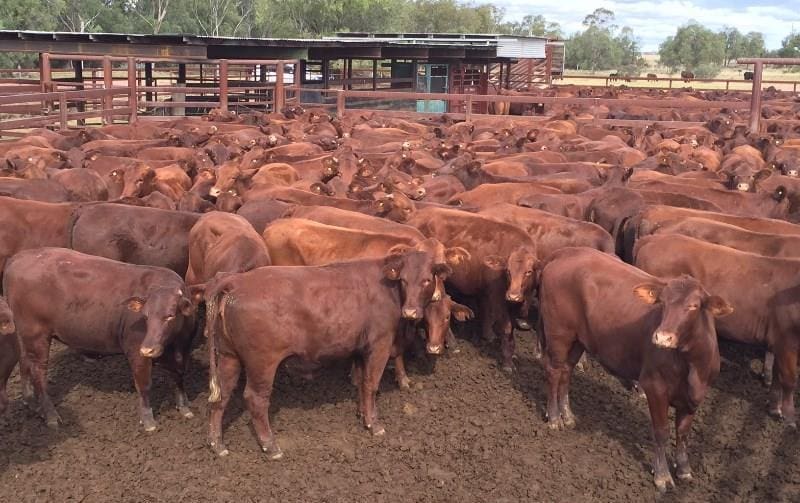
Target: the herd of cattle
(303, 238)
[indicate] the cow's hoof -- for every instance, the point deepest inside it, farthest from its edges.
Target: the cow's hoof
(53, 421)
(791, 423)
(186, 412)
(665, 482)
(776, 412)
(404, 383)
(377, 430)
(508, 368)
(273, 452)
(219, 449)
(555, 424)
(522, 324)
(686, 476)
(148, 423)
(568, 422)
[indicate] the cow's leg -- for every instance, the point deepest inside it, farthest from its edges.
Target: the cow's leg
(374, 364)
(766, 373)
(142, 377)
(575, 354)
(228, 369)
(659, 409)
(505, 331)
(358, 380)
(9, 355)
(35, 354)
(683, 426)
(555, 364)
(784, 384)
(257, 393)
(176, 361)
(400, 372)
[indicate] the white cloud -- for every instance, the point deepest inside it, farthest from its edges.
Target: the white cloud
(653, 21)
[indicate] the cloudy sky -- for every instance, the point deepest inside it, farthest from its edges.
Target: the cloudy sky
(654, 20)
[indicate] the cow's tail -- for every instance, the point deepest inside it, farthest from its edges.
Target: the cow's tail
(216, 300)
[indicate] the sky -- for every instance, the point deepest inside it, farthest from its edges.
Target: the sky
(652, 20)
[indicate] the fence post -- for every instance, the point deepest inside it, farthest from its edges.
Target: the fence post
(595, 107)
(133, 98)
(340, 104)
(45, 79)
(278, 93)
(223, 85)
(108, 83)
(468, 110)
(62, 111)
(755, 98)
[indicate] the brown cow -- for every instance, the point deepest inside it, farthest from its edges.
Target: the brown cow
(141, 312)
(365, 303)
(762, 290)
(665, 339)
(499, 271)
(221, 242)
(31, 224)
(9, 349)
(136, 235)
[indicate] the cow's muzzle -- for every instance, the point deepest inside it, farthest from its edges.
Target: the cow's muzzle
(665, 339)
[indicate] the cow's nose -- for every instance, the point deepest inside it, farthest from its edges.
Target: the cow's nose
(214, 192)
(744, 187)
(420, 193)
(150, 352)
(435, 349)
(410, 314)
(665, 339)
(514, 297)
(793, 172)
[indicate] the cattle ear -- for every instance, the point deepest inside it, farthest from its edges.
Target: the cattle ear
(135, 304)
(186, 307)
(648, 292)
(461, 312)
(495, 262)
(456, 256)
(780, 193)
(392, 268)
(762, 175)
(246, 174)
(197, 293)
(718, 306)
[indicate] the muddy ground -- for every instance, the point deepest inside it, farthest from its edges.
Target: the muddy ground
(465, 432)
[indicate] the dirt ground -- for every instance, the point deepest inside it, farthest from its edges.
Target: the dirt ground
(465, 432)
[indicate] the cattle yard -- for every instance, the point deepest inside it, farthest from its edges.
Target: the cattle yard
(391, 267)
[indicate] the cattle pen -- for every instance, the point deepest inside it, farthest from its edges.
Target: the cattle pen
(135, 77)
(391, 267)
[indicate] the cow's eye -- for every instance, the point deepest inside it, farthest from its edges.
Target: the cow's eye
(426, 282)
(528, 273)
(170, 317)
(232, 191)
(693, 307)
(139, 183)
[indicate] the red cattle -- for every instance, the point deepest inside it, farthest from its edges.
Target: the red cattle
(256, 328)
(660, 333)
(141, 312)
(9, 350)
(761, 289)
(221, 242)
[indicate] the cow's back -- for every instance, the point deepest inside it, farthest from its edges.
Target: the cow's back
(136, 235)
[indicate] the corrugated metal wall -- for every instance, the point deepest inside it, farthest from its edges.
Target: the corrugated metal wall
(521, 48)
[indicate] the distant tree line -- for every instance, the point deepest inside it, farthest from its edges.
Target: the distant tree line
(601, 45)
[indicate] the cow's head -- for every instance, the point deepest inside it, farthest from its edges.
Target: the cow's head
(136, 181)
(445, 260)
(688, 311)
(744, 179)
(6, 319)
(414, 271)
(437, 322)
(165, 311)
(397, 207)
(519, 268)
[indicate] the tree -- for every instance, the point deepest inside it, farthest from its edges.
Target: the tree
(602, 46)
(694, 48)
(532, 26)
(790, 46)
(220, 17)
